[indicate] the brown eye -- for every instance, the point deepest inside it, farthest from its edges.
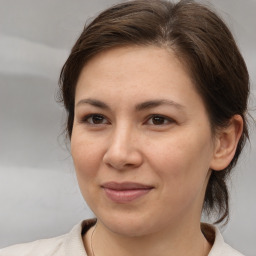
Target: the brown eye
(95, 119)
(159, 120)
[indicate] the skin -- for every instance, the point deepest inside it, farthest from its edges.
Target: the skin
(119, 140)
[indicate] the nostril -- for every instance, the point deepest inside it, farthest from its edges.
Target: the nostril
(129, 165)
(122, 161)
(122, 153)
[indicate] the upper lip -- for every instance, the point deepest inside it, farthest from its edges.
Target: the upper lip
(125, 185)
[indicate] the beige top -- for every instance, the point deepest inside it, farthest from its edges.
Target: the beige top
(71, 244)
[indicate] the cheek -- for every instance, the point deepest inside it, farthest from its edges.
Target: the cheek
(182, 162)
(86, 157)
(86, 160)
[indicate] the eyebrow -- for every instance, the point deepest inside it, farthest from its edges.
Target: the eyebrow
(156, 103)
(93, 102)
(139, 107)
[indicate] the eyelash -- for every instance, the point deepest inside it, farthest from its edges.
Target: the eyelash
(166, 120)
(87, 118)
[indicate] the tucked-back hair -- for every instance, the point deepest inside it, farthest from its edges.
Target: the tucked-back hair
(200, 39)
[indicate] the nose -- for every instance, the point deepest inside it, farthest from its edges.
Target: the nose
(123, 151)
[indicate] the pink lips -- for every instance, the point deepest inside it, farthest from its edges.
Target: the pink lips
(125, 192)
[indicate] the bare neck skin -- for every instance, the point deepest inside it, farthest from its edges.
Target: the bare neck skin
(180, 240)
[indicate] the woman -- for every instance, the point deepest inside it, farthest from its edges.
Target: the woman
(156, 95)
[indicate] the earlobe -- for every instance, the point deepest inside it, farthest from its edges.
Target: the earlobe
(226, 142)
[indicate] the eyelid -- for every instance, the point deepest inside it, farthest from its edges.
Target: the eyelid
(148, 121)
(166, 118)
(85, 118)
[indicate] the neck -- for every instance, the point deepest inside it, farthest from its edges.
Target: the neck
(186, 240)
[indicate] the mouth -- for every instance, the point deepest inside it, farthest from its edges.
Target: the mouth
(125, 192)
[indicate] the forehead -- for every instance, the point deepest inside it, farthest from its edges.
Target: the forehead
(135, 65)
(136, 73)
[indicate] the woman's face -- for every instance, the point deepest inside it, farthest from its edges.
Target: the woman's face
(141, 141)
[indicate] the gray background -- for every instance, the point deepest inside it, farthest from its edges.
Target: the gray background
(39, 196)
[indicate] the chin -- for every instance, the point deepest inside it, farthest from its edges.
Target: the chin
(127, 229)
(128, 225)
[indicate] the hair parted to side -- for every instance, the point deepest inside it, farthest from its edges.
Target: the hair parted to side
(201, 41)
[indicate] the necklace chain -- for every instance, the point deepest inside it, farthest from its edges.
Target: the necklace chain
(95, 229)
(91, 239)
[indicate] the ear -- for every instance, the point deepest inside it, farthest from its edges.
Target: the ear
(226, 142)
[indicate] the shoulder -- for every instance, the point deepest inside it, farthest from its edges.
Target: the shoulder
(70, 244)
(51, 246)
(228, 250)
(219, 248)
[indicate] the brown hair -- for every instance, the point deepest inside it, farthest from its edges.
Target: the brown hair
(200, 39)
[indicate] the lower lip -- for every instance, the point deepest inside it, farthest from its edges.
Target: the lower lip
(125, 196)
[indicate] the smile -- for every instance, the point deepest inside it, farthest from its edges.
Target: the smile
(125, 192)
